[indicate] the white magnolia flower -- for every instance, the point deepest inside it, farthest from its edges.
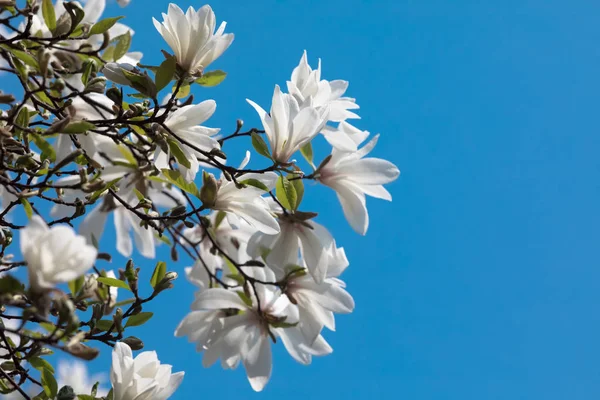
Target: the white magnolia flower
(243, 336)
(192, 36)
(190, 136)
(142, 377)
(352, 177)
(289, 127)
(309, 89)
(345, 137)
(54, 255)
(229, 239)
(75, 374)
(310, 238)
(247, 203)
(317, 302)
(123, 3)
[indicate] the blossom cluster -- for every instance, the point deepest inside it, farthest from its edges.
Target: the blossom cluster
(264, 268)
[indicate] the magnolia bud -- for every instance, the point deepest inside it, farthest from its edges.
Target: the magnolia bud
(208, 193)
(133, 342)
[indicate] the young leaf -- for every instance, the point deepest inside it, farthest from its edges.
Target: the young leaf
(138, 319)
(286, 193)
(307, 152)
(165, 73)
(175, 178)
(40, 364)
(260, 146)
(104, 324)
(48, 152)
(49, 383)
(299, 187)
(76, 284)
(256, 183)
(184, 90)
(178, 153)
(49, 14)
(25, 57)
(113, 282)
(122, 45)
(79, 127)
(27, 207)
(212, 78)
(103, 26)
(159, 272)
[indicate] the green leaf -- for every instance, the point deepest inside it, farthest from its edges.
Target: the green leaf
(212, 78)
(178, 153)
(286, 193)
(140, 82)
(104, 324)
(220, 216)
(8, 284)
(122, 45)
(79, 127)
(49, 14)
(40, 364)
(76, 284)
(126, 153)
(49, 383)
(87, 71)
(48, 152)
(260, 145)
(184, 90)
(245, 299)
(25, 57)
(299, 187)
(163, 239)
(124, 302)
(165, 73)
(307, 152)
(27, 207)
(113, 282)
(175, 178)
(159, 273)
(138, 319)
(104, 25)
(256, 183)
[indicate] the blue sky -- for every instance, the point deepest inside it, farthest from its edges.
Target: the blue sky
(480, 280)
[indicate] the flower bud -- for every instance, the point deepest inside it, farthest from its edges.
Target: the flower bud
(133, 342)
(208, 193)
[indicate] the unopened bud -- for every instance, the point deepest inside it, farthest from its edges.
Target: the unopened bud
(82, 351)
(133, 342)
(208, 193)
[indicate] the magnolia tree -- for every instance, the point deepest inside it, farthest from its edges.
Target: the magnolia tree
(91, 134)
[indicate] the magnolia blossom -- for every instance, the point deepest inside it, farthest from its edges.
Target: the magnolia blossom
(75, 374)
(246, 203)
(192, 36)
(189, 136)
(317, 302)
(345, 137)
(312, 239)
(54, 255)
(142, 377)
(241, 337)
(289, 127)
(352, 177)
(123, 3)
(309, 89)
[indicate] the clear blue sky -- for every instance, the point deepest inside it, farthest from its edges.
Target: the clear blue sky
(480, 280)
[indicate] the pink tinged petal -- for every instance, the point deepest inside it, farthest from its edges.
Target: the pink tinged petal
(218, 298)
(258, 363)
(354, 206)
